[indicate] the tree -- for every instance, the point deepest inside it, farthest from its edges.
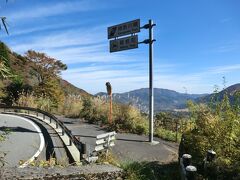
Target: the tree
(47, 70)
(4, 69)
(44, 67)
(4, 62)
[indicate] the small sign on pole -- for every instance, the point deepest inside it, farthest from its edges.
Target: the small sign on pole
(126, 43)
(123, 29)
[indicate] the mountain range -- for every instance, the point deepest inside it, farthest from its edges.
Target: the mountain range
(168, 100)
(164, 99)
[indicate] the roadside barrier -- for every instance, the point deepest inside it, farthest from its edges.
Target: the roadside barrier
(103, 143)
(74, 146)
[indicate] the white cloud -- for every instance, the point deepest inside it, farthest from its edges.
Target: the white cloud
(54, 9)
(137, 77)
(225, 20)
(228, 46)
(224, 69)
(61, 39)
(15, 30)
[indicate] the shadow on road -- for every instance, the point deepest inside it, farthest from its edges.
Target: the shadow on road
(16, 129)
(132, 140)
(49, 144)
(79, 135)
(67, 122)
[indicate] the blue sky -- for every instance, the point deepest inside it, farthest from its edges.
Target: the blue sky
(198, 42)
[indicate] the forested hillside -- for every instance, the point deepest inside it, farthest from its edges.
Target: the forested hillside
(34, 74)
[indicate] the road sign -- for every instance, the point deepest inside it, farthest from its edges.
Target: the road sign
(131, 42)
(126, 43)
(123, 29)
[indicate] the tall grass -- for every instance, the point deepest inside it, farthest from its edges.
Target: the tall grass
(127, 118)
(31, 100)
(72, 106)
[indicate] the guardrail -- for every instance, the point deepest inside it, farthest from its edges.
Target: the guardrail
(72, 143)
(103, 143)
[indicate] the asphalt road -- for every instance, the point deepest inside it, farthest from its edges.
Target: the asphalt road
(129, 147)
(24, 141)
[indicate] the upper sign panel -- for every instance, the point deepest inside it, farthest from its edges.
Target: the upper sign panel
(124, 29)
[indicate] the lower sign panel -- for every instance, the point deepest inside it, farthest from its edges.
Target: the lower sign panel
(130, 42)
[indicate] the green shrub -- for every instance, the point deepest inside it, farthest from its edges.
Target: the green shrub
(129, 119)
(95, 110)
(167, 134)
(125, 118)
(216, 127)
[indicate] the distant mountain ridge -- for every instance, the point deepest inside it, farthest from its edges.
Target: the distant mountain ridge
(229, 91)
(164, 99)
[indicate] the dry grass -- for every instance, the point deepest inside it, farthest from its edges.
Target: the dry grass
(72, 106)
(31, 100)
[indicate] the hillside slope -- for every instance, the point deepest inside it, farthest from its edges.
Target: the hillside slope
(21, 70)
(69, 88)
(229, 91)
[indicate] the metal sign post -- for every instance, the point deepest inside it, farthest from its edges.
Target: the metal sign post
(150, 41)
(151, 92)
(131, 42)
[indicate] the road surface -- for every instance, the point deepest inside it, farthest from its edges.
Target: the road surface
(24, 141)
(30, 139)
(129, 147)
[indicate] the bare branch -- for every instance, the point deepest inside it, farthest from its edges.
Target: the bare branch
(3, 19)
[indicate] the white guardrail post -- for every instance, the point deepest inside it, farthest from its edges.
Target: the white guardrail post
(188, 172)
(103, 143)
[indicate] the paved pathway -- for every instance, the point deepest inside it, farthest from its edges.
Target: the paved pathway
(129, 147)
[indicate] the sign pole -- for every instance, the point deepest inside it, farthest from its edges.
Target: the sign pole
(131, 42)
(151, 92)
